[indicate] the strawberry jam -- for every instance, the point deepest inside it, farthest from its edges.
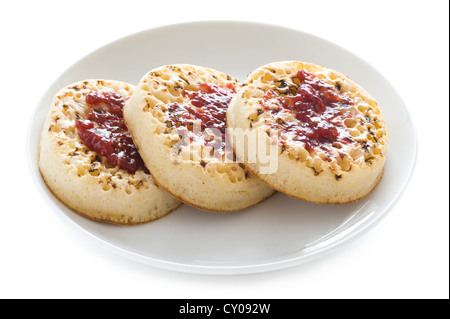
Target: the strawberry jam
(104, 131)
(320, 111)
(209, 105)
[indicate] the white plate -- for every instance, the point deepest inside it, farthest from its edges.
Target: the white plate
(281, 231)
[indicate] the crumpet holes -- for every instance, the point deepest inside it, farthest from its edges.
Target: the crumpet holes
(344, 164)
(350, 123)
(373, 104)
(267, 78)
(303, 154)
(376, 151)
(363, 109)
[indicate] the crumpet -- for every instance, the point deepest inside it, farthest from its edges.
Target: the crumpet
(329, 134)
(177, 120)
(88, 160)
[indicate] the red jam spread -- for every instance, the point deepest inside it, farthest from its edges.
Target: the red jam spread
(104, 131)
(320, 110)
(209, 105)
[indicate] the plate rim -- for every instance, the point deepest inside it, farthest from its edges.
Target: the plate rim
(352, 233)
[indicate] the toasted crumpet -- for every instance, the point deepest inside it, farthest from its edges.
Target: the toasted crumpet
(182, 142)
(85, 181)
(330, 136)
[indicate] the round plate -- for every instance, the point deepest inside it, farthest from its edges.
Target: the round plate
(278, 233)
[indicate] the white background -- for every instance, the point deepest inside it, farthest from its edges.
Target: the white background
(404, 256)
